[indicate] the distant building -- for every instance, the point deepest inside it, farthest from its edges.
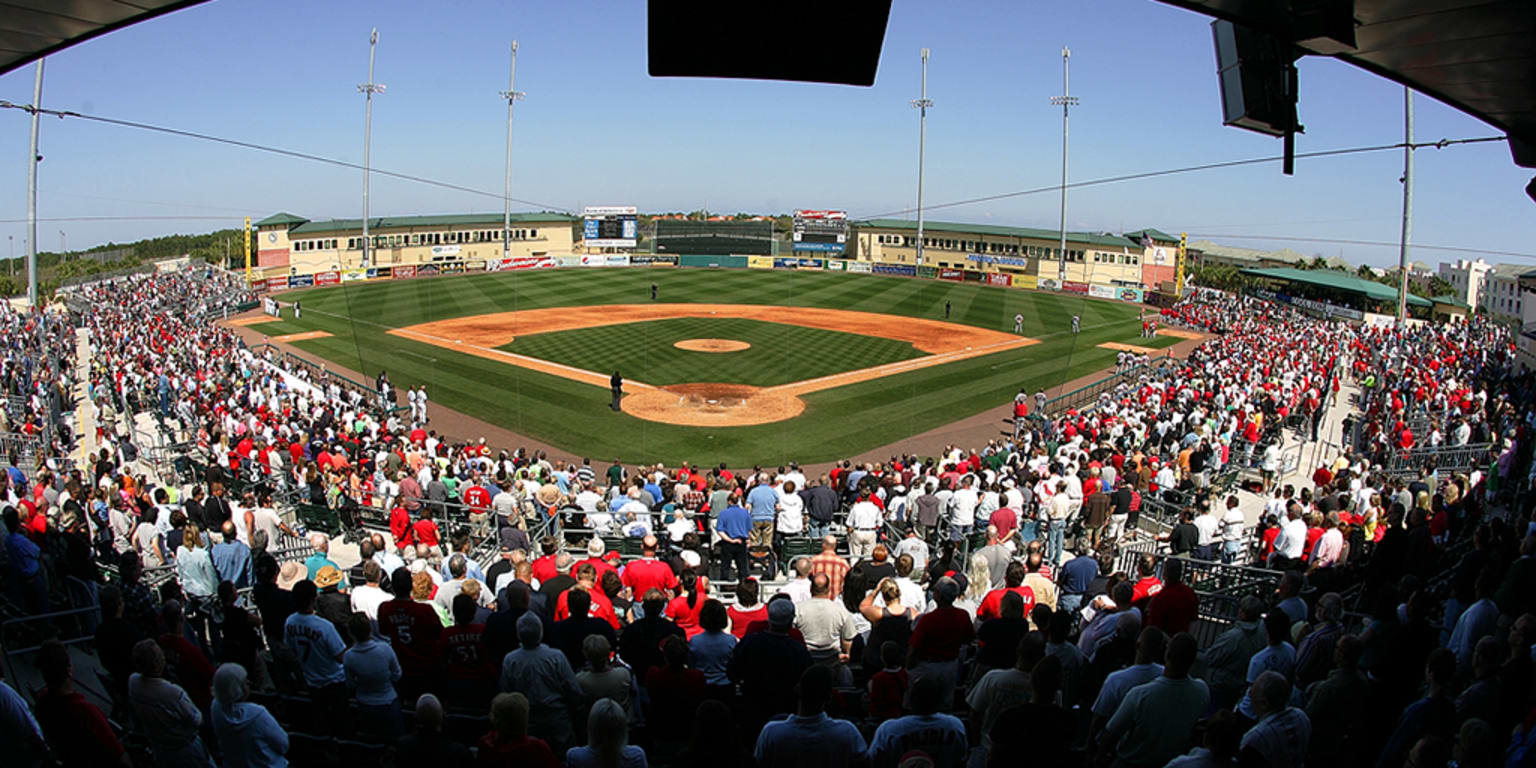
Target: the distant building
(1467, 278)
(1527, 338)
(1501, 297)
(292, 244)
(1142, 259)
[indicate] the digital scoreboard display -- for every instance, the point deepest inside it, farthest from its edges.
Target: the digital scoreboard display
(610, 226)
(821, 231)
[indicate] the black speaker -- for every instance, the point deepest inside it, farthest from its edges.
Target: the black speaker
(1256, 72)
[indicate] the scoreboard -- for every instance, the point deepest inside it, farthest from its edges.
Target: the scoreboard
(821, 231)
(610, 226)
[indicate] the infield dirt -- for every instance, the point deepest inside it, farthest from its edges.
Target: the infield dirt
(707, 404)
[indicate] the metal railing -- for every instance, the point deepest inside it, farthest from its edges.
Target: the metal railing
(1219, 588)
(319, 376)
(1457, 458)
(1086, 398)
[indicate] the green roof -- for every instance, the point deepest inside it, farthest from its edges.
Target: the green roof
(1082, 238)
(1453, 301)
(279, 219)
(1339, 281)
(406, 222)
(1157, 235)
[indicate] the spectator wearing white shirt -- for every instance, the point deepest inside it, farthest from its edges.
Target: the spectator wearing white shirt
(367, 598)
(1292, 540)
(863, 525)
(1232, 525)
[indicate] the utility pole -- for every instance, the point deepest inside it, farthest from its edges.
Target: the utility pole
(1402, 252)
(1066, 101)
(63, 245)
(923, 104)
(512, 95)
(32, 160)
(368, 89)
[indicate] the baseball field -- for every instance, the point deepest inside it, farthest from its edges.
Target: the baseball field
(744, 367)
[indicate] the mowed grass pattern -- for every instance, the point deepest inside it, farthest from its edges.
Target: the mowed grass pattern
(836, 423)
(779, 354)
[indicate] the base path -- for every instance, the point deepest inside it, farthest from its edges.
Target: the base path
(707, 404)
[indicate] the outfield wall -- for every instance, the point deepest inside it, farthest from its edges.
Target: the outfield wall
(722, 261)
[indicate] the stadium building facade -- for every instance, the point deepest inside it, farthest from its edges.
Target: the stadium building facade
(289, 244)
(1144, 259)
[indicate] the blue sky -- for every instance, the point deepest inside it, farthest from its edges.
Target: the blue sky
(597, 130)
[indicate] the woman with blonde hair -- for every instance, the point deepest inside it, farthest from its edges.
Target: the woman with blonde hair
(978, 584)
(607, 741)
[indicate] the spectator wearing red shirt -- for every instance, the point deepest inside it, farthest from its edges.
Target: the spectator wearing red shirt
(424, 531)
(1013, 581)
(748, 609)
(76, 731)
(508, 742)
(937, 638)
(413, 630)
(889, 686)
(400, 527)
(595, 552)
(1314, 532)
(186, 661)
(684, 609)
(599, 606)
(1174, 607)
(1147, 584)
(544, 567)
(648, 573)
(468, 672)
(675, 690)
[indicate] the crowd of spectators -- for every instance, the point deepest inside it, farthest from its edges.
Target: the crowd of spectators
(1400, 632)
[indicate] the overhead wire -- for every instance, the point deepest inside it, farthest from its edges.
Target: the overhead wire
(1441, 144)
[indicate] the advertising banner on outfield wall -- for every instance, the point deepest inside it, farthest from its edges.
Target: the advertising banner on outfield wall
(590, 260)
(404, 272)
(520, 263)
(277, 283)
(1049, 284)
(327, 278)
(928, 272)
(1072, 286)
(474, 265)
(651, 259)
(427, 270)
(1132, 295)
(700, 260)
(759, 262)
(790, 262)
(259, 286)
(997, 279)
(951, 274)
(616, 260)
(453, 267)
(861, 267)
(837, 265)
(973, 276)
(904, 270)
(565, 260)
(1025, 281)
(301, 281)
(1101, 291)
(350, 275)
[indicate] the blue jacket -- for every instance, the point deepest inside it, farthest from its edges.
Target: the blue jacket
(249, 736)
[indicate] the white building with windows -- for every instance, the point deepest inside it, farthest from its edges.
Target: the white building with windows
(1526, 341)
(1493, 289)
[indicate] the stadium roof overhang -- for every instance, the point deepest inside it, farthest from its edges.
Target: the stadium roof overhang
(1334, 280)
(32, 29)
(1475, 55)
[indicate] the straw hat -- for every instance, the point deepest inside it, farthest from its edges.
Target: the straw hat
(291, 573)
(327, 576)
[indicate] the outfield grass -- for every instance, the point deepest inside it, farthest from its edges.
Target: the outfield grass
(836, 423)
(779, 354)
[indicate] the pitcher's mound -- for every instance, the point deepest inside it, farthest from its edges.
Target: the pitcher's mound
(712, 405)
(712, 345)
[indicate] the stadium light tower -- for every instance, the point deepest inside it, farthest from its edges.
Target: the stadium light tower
(923, 103)
(1066, 101)
(32, 160)
(511, 94)
(368, 89)
(1407, 237)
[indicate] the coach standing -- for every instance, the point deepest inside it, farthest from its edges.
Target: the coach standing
(617, 385)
